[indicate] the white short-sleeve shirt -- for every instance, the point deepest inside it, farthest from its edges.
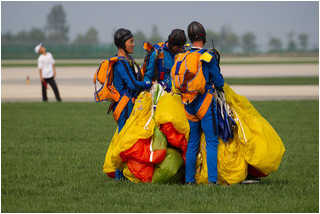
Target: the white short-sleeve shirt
(45, 63)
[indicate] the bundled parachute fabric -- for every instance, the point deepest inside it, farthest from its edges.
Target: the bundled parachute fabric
(260, 144)
(170, 169)
(151, 146)
(142, 156)
(137, 127)
(255, 148)
(171, 119)
(232, 168)
(140, 149)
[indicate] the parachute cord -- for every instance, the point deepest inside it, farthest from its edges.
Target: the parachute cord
(220, 102)
(151, 116)
(154, 101)
(245, 139)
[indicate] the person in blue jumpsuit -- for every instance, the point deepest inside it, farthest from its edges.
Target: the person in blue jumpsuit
(159, 69)
(126, 78)
(208, 123)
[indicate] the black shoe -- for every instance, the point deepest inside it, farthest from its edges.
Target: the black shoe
(251, 180)
(190, 183)
(213, 183)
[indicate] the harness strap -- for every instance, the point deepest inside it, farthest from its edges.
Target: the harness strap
(121, 105)
(191, 117)
(128, 73)
(202, 110)
(158, 61)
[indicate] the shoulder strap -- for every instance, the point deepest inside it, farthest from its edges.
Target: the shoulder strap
(147, 46)
(128, 72)
(159, 58)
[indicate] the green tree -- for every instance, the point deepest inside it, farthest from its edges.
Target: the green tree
(275, 45)
(227, 40)
(211, 35)
(232, 42)
(139, 38)
(155, 35)
(56, 25)
(7, 38)
(291, 44)
(223, 37)
(90, 38)
(248, 43)
(36, 35)
(22, 37)
(303, 41)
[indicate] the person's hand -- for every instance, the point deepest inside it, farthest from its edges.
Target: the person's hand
(164, 85)
(148, 84)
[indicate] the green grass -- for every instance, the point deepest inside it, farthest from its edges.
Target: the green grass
(52, 156)
(273, 81)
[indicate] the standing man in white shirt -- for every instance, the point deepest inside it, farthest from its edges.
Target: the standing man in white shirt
(47, 71)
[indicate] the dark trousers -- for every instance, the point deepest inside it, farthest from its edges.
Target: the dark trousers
(54, 88)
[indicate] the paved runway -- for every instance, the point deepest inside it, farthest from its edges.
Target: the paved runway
(75, 83)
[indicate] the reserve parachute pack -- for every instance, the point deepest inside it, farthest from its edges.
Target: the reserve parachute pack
(187, 74)
(158, 48)
(104, 74)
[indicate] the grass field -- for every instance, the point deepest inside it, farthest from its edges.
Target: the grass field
(273, 81)
(52, 156)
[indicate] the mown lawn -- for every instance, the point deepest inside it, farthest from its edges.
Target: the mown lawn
(52, 156)
(273, 81)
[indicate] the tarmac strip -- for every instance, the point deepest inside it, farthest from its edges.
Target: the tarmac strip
(85, 93)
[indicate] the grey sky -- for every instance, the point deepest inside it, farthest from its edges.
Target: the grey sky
(264, 19)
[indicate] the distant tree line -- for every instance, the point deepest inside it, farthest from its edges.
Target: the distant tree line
(87, 45)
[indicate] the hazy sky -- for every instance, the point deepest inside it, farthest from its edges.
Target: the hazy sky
(264, 19)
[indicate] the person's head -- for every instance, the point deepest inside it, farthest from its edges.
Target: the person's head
(176, 40)
(196, 32)
(123, 39)
(40, 49)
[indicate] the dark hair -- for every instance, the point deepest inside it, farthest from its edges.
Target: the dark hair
(177, 37)
(196, 32)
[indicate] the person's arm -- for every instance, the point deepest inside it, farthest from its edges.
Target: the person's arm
(54, 70)
(53, 65)
(148, 76)
(40, 65)
(40, 72)
(128, 78)
(215, 73)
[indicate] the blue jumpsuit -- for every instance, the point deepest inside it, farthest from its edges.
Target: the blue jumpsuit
(126, 83)
(209, 124)
(168, 62)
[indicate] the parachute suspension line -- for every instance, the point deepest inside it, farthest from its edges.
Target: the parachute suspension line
(237, 119)
(220, 103)
(220, 99)
(151, 116)
(156, 91)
